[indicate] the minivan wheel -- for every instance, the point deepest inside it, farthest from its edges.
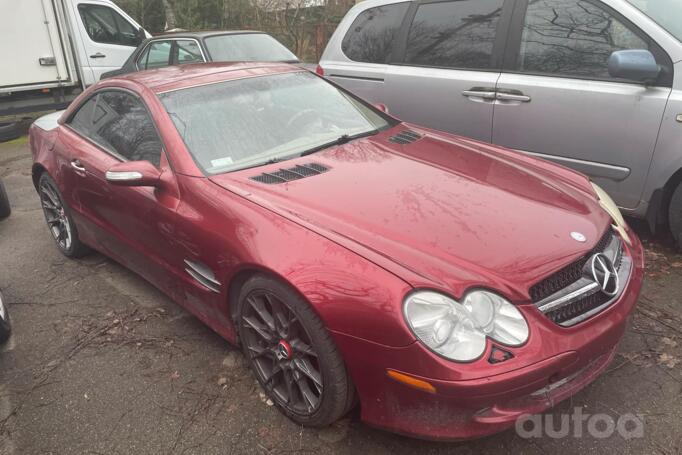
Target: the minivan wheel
(59, 220)
(292, 354)
(675, 216)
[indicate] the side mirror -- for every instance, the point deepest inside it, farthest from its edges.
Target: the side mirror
(382, 107)
(637, 65)
(134, 173)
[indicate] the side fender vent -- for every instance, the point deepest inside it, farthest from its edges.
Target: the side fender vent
(405, 137)
(297, 172)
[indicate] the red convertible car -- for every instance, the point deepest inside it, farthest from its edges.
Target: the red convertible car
(445, 285)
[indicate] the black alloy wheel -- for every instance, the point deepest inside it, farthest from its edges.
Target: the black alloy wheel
(58, 219)
(292, 354)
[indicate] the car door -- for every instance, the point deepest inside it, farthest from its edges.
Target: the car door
(445, 68)
(107, 36)
(125, 222)
(557, 100)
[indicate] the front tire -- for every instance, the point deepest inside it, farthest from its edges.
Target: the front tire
(59, 220)
(292, 354)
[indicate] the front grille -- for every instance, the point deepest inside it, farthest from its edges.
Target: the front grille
(572, 295)
(577, 308)
(294, 173)
(569, 274)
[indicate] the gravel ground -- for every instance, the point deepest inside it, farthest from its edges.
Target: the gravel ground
(101, 362)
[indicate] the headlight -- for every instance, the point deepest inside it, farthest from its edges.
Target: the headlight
(612, 209)
(458, 331)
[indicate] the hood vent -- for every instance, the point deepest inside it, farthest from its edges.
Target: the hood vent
(405, 137)
(297, 172)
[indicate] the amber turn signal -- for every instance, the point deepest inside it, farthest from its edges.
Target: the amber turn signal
(411, 381)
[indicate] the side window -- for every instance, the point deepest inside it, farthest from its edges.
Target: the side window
(82, 119)
(370, 37)
(572, 38)
(187, 51)
(458, 34)
(122, 124)
(156, 55)
(104, 25)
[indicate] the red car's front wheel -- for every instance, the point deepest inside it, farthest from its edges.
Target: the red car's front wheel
(58, 218)
(292, 354)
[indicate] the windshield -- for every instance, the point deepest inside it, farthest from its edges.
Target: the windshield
(666, 13)
(249, 122)
(248, 47)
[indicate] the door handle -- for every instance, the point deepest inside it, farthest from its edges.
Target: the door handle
(487, 93)
(98, 55)
(512, 95)
(77, 165)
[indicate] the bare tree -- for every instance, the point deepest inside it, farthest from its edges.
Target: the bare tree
(170, 15)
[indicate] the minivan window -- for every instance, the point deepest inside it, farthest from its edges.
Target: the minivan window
(370, 38)
(104, 25)
(666, 13)
(572, 38)
(457, 34)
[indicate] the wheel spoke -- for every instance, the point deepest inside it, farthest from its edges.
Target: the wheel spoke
(289, 383)
(262, 311)
(299, 346)
(54, 200)
(53, 220)
(273, 373)
(304, 366)
(308, 396)
(49, 206)
(260, 351)
(260, 329)
(280, 320)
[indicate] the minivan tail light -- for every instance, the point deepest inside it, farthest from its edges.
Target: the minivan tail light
(319, 70)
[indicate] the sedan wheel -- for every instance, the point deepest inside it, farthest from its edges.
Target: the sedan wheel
(292, 354)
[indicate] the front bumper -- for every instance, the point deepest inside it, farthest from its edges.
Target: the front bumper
(478, 399)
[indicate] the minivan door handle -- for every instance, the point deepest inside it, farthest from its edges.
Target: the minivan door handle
(98, 55)
(511, 95)
(480, 93)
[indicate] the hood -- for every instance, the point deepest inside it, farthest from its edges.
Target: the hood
(440, 211)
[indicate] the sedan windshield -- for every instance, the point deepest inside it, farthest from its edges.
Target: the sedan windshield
(247, 47)
(249, 122)
(666, 13)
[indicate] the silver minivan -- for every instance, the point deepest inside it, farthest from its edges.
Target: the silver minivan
(595, 85)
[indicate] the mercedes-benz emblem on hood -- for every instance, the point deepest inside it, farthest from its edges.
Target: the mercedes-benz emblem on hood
(605, 274)
(578, 236)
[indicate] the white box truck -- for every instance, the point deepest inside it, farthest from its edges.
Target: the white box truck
(52, 49)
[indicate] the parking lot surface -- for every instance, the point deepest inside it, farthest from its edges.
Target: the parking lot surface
(101, 362)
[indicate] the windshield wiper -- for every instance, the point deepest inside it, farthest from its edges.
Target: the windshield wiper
(343, 139)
